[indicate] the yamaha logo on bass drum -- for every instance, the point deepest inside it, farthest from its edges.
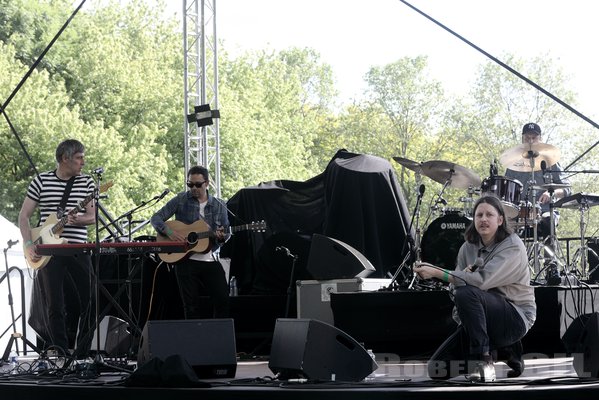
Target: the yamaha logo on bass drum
(453, 225)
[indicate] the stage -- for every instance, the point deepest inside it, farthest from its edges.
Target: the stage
(402, 327)
(542, 379)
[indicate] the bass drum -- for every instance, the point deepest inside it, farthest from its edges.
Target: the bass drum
(442, 240)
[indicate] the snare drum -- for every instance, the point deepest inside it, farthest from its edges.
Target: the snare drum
(508, 190)
(442, 240)
(527, 214)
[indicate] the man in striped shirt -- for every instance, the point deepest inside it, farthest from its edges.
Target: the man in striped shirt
(46, 191)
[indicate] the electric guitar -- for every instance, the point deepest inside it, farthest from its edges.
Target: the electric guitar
(53, 226)
(199, 237)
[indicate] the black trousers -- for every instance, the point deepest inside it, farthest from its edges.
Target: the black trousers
(76, 272)
(490, 323)
(197, 277)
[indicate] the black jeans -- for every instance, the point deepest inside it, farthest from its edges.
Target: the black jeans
(59, 272)
(197, 277)
(489, 323)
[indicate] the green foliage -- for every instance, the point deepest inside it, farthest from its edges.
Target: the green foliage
(274, 105)
(114, 80)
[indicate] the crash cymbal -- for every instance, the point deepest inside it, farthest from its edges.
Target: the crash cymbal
(413, 165)
(443, 171)
(551, 186)
(518, 157)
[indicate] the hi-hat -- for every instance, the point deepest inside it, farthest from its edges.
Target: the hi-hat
(413, 165)
(518, 158)
(456, 175)
(552, 186)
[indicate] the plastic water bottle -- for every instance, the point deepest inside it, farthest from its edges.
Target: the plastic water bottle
(13, 360)
(233, 286)
(372, 355)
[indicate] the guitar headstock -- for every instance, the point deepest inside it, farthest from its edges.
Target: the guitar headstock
(257, 226)
(105, 186)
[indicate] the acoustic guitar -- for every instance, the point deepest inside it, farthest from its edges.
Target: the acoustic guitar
(49, 232)
(200, 237)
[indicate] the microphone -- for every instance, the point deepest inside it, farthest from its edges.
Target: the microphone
(11, 243)
(547, 178)
(421, 190)
(285, 250)
(478, 263)
(164, 193)
(98, 171)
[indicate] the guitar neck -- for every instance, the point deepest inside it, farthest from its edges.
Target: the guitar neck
(63, 220)
(244, 227)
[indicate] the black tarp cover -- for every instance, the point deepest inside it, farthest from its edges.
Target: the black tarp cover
(356, 200)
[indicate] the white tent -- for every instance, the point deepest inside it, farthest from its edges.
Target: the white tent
(14, 258)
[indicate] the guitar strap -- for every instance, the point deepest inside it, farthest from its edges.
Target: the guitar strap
(63, 202)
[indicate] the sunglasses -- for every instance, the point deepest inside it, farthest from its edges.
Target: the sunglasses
(196, 184)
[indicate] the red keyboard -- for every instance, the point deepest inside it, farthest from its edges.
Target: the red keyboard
(116, 248)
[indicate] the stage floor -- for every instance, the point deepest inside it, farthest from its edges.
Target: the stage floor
(543, 379)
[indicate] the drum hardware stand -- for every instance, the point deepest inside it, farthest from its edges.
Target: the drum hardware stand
(582, 250)
(439, 199)
(535, 222)
(552, 274)
(416, 242)
(468, 201)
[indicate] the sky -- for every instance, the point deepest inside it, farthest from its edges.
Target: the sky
(354, 35)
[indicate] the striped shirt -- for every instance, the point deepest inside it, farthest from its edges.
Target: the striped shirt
(47, 190)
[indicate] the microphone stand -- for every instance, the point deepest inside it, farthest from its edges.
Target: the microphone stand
(290, 287)
(130, 270)
(98, 359)
(129, 213)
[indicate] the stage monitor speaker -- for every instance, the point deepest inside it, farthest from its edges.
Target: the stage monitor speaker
(582, 340)
(311, 349)
(208, 345)
(115, 338)
(332, 259)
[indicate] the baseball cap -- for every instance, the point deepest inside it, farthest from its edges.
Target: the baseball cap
(531, 127)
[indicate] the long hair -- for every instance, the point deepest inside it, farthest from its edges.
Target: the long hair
(472, 236)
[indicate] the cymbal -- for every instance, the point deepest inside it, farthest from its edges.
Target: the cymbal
(518, 157)
(578, 199)
(551, 186)
(413, 165)
(444, 171)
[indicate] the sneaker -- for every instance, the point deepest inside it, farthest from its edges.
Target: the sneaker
(484, 372)
(514, 360)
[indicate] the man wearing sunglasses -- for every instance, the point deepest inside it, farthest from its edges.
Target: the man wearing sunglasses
(201, 272)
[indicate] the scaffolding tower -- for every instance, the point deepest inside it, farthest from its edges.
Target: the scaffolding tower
(202, 145)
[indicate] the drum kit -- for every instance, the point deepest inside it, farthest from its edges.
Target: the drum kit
(443, 237)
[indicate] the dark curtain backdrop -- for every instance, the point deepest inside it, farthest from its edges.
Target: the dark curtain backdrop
(356, 200)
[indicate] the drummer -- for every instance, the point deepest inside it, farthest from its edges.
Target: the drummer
(531, 134)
